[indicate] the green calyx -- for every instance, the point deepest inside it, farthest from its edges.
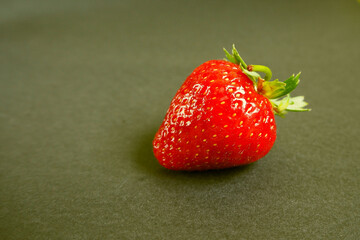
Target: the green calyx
(276, 91)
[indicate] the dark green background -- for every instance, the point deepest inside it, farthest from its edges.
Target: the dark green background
(84, 86)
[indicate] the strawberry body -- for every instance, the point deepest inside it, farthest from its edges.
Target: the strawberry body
(216, 120)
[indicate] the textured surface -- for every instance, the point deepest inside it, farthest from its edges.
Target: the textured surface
(84, 86)
(216, 120)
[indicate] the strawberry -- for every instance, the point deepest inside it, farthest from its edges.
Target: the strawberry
(223, 116)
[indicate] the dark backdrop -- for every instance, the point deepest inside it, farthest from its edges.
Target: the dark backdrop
(84, 85)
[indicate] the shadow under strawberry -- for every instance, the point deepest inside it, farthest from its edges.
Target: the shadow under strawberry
(145, 161)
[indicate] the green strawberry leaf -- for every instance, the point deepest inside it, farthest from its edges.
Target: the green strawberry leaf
(230, 57)
(271, 89)
(289, 104)
(235, 58)
(284, 103)
(297, 104)
(254, 76)
(291, 84)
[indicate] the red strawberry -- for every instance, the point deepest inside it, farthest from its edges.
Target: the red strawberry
(222, 116)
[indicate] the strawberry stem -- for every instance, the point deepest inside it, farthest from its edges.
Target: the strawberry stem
(276, 91)
(261, 68)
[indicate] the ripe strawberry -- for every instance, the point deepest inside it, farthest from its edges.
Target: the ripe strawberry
(223, 116)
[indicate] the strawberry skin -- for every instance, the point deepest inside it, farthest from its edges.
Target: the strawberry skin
(216, 120)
